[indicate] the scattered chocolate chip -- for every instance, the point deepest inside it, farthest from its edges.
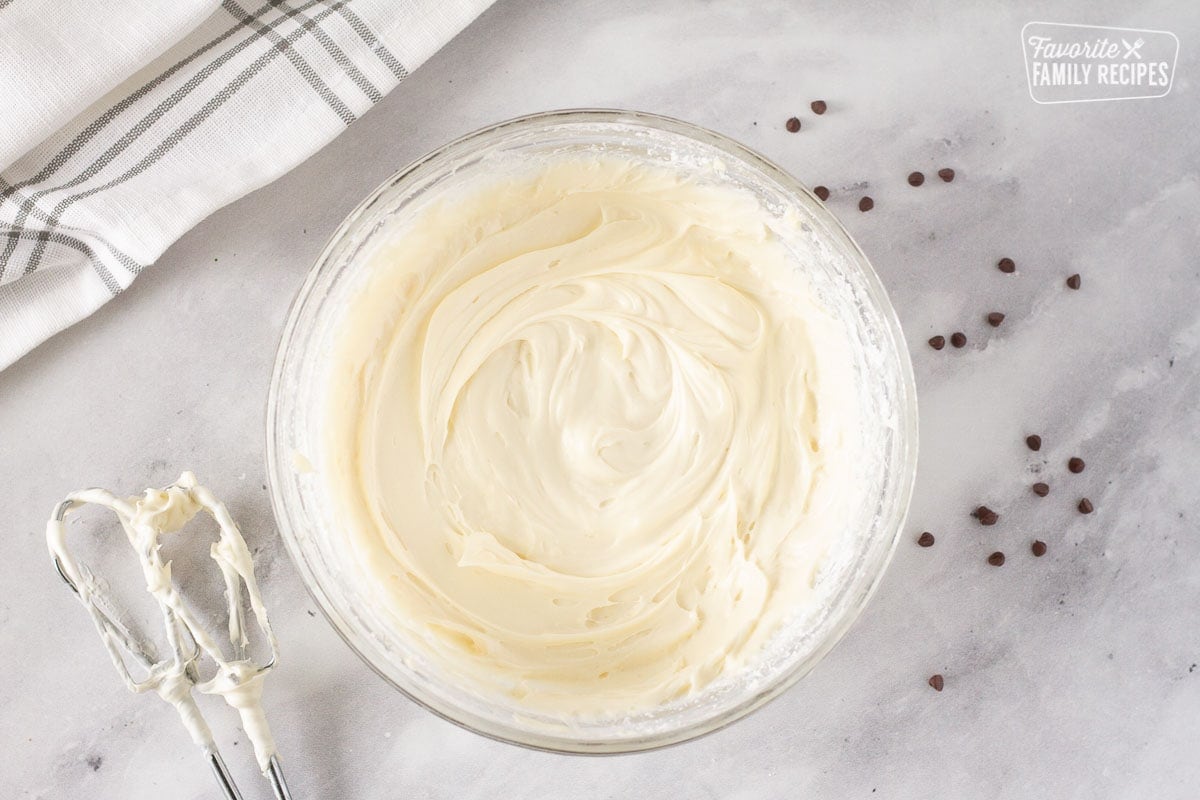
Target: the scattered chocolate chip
(915, 179)
(1038, 547)
(1006, 265)
(937, 682)
(996, 559)
(95, 762)
(925, 539)
(1074, 281)
(985, 515)
(1085, 506)
(1041, 489)
(1075, 464)
(958, 339)
(793, 125)
(866, 204)
(1033, 442)
(819, 107)
(946, 174)
(994, 319)
(937, 342)
(822, 193)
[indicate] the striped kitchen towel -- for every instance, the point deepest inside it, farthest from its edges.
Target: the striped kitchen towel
(124, 123)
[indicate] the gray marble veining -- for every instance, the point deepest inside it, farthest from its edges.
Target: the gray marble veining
(1069, 676)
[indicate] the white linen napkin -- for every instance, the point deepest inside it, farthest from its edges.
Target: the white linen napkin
(123, 124)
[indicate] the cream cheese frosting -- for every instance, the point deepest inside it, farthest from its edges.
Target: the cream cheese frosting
(589, 434)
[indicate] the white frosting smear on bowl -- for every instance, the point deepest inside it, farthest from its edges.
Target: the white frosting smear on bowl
(589, 435)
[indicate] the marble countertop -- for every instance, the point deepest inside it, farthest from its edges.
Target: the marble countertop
(1070, 676)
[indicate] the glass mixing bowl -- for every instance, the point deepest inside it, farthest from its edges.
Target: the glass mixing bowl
(842, 279)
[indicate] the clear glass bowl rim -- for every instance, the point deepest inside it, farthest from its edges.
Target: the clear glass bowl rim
(279, 459)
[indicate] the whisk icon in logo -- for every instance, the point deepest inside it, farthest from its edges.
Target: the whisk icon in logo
(1085, 63)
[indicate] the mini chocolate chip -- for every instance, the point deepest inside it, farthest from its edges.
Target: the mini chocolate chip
(996, 559)
(946, 174)
(1074, 281)
(822, 193)
(1085, 506)
(1006, 265)
(925, 539)
(958, 339)
(994, 319)
(1041, 489)
(915, 179)
(819, 107)
(985, 515)
(1034, 442)
(1075, 464)
(937, 682)
(793, 124)
(866, 204)
(1038, 547)
(937, 342)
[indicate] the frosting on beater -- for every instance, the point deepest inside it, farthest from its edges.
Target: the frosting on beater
(145, 520)
(589, 433)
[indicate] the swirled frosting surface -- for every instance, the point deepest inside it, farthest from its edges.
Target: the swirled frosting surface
(589, 434)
